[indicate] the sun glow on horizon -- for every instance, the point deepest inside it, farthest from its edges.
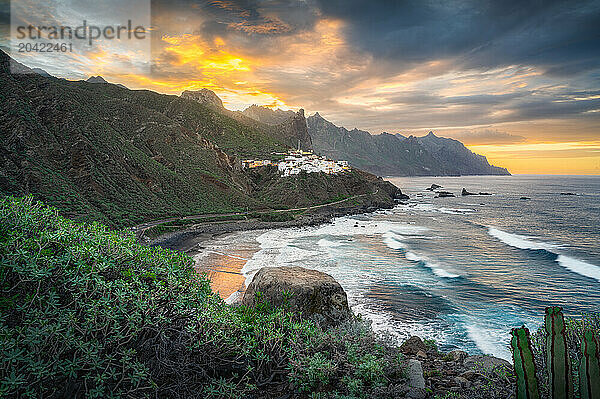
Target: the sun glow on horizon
(569, 158)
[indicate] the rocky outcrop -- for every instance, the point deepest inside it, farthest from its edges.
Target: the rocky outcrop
(268, 115)
(433, 187)
(432, 373)
(96, 79)
(314, 294)
(465, 192)
(400, 196)
(205, 97)
(444, 194)
(289, 127)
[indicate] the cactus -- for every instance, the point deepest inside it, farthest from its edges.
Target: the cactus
(527, 386)
(560, 379)
(589, 368)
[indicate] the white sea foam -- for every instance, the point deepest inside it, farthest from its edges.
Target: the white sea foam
(579, 267)
(524, 242)
(435, 268)
(394, 241)
(519, 241)
(490, 341)
(233, 297)
(426, 207)
(328, 243)
(383, 322)
(412, 256)
(438, 271)
(455, 211)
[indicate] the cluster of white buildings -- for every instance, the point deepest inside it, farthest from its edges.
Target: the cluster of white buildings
(297, 161)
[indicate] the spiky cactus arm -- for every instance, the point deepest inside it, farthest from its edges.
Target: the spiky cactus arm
(589, 368)
(559, 370)
(527, 386)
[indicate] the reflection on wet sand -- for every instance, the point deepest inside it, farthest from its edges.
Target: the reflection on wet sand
(222, 258)
(224, 273)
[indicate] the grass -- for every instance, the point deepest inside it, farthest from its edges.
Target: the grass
(88, 312)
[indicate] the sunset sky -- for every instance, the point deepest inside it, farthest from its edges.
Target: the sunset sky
(516, 81)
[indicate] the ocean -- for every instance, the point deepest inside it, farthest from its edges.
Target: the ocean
(463, 270)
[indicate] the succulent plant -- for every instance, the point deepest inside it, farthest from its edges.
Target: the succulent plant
(560, 379)
(527, 385)
(589, 368)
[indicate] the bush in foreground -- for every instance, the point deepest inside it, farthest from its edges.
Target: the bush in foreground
(85, 311)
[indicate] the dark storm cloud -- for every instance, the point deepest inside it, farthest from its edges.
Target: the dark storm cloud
(561, 36)
(250, 17)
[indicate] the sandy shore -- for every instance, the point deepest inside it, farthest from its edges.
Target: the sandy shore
(214, 257)
(223, 264)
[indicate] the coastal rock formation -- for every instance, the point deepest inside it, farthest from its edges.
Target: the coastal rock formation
(440, 373)
(400, 196)
(465, 192)
(433, 187)
(316, 295)
(413, 345)
(444, 194)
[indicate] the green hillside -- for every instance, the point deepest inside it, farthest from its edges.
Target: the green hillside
(102, 152)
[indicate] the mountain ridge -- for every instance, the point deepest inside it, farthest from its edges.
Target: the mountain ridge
(122, 157)
(388, 154)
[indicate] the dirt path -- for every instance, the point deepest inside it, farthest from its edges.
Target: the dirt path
(141, 228)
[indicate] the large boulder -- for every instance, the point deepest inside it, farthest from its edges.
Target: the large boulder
(316, 295)
(413, 345)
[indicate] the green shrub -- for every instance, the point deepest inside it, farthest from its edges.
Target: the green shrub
(86, 312)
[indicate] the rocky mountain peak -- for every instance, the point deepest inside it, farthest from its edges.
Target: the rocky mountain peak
(96, 79)
(268, 115)
(204, 96)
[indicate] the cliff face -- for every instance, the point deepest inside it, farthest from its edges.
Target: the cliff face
(463, 160)
(267, 115)
(396, 155)
(286, 127)
(383, 154)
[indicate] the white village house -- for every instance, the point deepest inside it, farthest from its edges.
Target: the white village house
(297, 161)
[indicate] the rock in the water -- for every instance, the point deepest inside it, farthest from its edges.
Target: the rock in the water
(316, 295)
(568, 194)
(465, 192)
(400, 196)
(444, 194)
(525, 198)
(485, 362)
(433, 187)
(413, 345)
(484, 193)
